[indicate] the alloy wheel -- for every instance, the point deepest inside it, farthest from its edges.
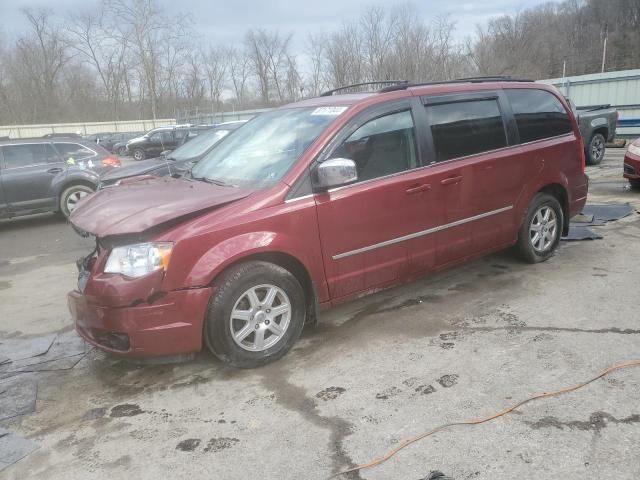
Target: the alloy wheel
(74, 198)
(543, 229)
(260, 318)
(597, 149)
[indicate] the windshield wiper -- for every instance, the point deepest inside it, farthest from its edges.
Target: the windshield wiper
(213, 181)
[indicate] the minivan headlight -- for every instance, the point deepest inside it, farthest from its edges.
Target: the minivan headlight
(635, 149)
(139, 259)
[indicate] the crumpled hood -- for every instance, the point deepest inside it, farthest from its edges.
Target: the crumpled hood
(140, 204)
(134, 169)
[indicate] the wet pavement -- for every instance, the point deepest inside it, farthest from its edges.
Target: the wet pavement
(461, 344)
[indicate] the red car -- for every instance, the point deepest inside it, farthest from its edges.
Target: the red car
(632, 164)
(321, 201)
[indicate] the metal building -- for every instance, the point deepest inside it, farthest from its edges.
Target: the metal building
(619, 89)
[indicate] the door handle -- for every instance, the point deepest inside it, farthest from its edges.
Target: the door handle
(423, 187)
(451, 180)
(54, 170)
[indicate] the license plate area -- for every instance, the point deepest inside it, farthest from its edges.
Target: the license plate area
(85, 266)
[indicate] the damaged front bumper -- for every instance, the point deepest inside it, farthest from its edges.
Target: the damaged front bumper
(171, 325)
(631, 167)
(136, 317)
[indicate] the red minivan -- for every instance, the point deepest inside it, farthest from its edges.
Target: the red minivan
(321, 201)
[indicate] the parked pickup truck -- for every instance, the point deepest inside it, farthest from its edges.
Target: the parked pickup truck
(598, 126)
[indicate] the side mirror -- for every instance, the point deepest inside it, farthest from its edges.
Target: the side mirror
(164, 153)
(334, 173)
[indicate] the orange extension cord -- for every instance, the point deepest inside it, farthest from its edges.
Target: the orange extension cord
(406, 443)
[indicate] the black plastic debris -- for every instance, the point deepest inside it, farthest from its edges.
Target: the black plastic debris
(42, 354)
(587, 220)
(13, 448)
(17, 396)
(436, 475)
(581, 233)
(607, 212)
(26, 347)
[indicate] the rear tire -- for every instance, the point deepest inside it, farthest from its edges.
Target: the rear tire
(596, 149)
(71, 196)
(541, 230)
(247, 329)
(138, 154)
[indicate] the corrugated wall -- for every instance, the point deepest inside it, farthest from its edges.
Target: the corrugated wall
(86, 128)
(23, 131)
(620, 89)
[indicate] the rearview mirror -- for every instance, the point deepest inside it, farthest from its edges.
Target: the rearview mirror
(334, 173)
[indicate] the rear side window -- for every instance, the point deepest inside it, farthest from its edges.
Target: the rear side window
(539, 114)
(16, 156)
(73, 151)
(466, 128)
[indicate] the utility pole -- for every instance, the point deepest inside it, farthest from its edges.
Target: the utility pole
(604, 48)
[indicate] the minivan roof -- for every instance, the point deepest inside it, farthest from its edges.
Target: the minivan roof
(404, 89)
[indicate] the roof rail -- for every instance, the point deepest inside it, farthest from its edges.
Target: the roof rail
(385, 86)
(495, 78)
(381, 85)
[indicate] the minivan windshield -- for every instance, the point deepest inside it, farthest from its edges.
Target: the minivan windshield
(198, 145)
(264, 149)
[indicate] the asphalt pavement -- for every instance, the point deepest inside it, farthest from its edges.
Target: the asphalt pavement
(462, 344)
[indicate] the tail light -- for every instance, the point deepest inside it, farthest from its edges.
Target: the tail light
(111, 162)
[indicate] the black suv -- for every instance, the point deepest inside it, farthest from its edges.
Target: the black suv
(158, 140)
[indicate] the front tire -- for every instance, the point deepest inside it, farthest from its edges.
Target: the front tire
(256, 314)
(71, 196)
(635, 184)
(122, 151)
(541, 230)
(596, 149)
(138, 154)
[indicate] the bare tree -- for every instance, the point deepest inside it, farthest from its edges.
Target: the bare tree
(315, 53)
(39, 59)
(378, 28)
(239, 68)
(216, 64)
(257, 55)
(92, 35)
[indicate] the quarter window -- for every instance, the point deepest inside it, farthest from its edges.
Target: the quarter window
(28, 154)
(381, 147)
(161, 137)
(73, 151)
(539, 114)
(466, 128)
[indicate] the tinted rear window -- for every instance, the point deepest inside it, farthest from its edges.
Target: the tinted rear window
(539, 114)
(466, 128)
(28, 154)
(73, 151)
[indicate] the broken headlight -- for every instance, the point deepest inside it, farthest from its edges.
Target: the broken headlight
(139, 259)
(635, 149)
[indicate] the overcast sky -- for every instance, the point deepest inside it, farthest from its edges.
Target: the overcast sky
(227, 21)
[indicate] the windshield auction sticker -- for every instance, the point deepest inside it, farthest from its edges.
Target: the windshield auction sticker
(330, 111)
